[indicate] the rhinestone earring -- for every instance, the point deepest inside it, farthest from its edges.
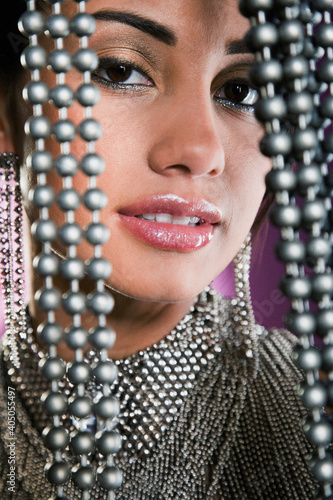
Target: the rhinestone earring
(11, 260)
(242, 303)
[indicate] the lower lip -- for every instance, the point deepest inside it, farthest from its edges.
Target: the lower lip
(169, 236)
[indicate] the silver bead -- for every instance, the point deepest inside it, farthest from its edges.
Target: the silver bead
(251, 7)
(307, 359)
(83, 24)
(61, 96)
(322, 284)
(281, 180)
(38, 127)
(57, 26)
(48, 299)
(95, 199)
(325, 71)
(40, 161)
(85, 60)
(76, 337)
(74, 303)
(106, 407)
(313, 211)
(98, 268)
(90, 130)
(327, 355)
(60, 61)
(50, 333)
(300, 103)
(93, 164)
(262, 35)
(270, 108)
(109, 477)
(309, 176)
(68, 199)
(55, 438)
(34, 58)
(97, 234)
(296, 288)
(304, 140)
(64, 130)
(102, 337)
(324, 322)
(42, 196)
(105, 372)
(322, 469)
(319, 433)
(313, 396)
(70, 234)
(57, 472)
(266, 72)
(88, 95)
(72, 269)
(82, 443)
(83, 477)
(52, 368)
(36, 92)
(31, 23)
(46, 264)
(54, 403)
(100, 302)
(79, 372)
(286, 215)
(80, 406)
(279, 143)
(290, 251)
(108, 442)
(66, 165)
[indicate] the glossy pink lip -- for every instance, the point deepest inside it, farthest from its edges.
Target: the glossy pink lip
(176, 237)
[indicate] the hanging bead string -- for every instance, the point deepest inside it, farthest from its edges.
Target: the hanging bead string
(12, 254)
(81, 407)
(285, 42)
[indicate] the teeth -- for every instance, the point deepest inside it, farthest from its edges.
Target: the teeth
(171, 219)
(163, 218)
(148, 216)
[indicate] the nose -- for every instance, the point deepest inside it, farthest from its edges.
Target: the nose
(187, 140)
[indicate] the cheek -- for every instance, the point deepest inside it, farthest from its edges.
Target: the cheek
(248, 168)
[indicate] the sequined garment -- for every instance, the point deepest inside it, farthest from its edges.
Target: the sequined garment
(201, 420)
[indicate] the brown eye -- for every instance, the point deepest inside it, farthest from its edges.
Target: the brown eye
(119, 73)
(236, 91)
(238, 95)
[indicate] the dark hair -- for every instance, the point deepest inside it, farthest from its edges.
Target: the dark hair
(12, 42)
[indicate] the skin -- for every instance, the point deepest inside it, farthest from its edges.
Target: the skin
(171, 135)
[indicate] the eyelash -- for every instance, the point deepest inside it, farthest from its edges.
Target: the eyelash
(109, 63)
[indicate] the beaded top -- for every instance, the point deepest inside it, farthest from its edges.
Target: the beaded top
(204, 423)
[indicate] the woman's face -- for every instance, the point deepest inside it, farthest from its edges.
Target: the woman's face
(179, 139)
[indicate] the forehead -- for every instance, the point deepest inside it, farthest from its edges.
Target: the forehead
(216, 20)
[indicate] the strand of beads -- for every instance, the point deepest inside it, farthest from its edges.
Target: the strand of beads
(63, 132)
(290, 101)
(11, 223)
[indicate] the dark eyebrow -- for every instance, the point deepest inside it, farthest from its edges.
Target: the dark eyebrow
(158, 31)
(237, 47)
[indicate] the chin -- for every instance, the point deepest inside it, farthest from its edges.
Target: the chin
(167, 290)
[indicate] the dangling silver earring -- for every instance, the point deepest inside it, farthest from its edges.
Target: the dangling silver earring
(242, 303)
(11, 260)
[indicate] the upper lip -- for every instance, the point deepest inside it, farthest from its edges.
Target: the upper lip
(176, 206)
